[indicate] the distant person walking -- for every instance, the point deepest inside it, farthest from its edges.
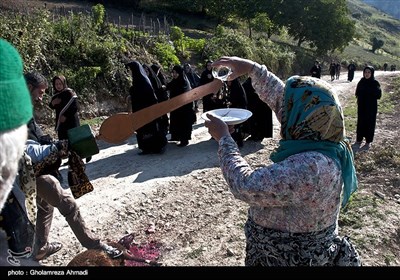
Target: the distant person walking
(192, 76)
(65, 103)
(368, 92)
(332, 70)
(337, 72)
(316, 70)
(351, 69)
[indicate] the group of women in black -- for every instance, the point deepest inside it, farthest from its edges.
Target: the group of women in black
(149, 86)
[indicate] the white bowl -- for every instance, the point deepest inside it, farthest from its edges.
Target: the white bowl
(230, 116)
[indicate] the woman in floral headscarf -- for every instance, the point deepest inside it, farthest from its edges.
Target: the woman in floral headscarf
(294, 202)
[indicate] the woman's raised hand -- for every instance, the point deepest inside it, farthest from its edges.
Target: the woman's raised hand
(239, 66)
(217, 127)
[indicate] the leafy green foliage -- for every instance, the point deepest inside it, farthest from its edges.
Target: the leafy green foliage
(177, 37)
(228, 42)
(183, 45)
(262, 23)
(304, 20)
(69, 45)
(166, 54)
(197, 45)
(233, 43)
(28, 36)
(99, 13)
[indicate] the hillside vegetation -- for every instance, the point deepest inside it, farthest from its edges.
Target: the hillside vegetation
(370, 22)
(90, 43)
(391, 7)
(194, 214)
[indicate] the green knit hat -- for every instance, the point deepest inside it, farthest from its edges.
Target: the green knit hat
(15, 99)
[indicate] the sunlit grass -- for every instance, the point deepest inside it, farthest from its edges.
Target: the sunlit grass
(92, 122)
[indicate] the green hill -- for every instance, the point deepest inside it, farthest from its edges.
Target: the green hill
(371, 22)
(71, 38)
(391, 7)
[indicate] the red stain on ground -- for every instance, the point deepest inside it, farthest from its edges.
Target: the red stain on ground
(149, 251)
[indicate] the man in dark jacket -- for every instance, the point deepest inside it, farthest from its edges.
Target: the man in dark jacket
(50, 194)
(15, 112)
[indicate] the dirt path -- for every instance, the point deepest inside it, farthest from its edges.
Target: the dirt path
(181, 194)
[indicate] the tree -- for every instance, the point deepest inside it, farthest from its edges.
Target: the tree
(376, 43)
(177, 37)
(262, 23)
(99, 13)
(273, 9)
(247, 10)
(325, 24)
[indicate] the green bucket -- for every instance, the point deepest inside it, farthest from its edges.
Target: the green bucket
(82, 141)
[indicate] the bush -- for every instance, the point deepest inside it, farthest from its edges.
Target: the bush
(166, 54)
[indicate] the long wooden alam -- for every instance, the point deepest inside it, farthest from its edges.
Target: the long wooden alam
(119, 127)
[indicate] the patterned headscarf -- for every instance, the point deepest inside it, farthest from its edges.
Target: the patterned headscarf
(312, 120)
(63, 81)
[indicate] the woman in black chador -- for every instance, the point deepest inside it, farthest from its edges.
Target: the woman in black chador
(350, 73)
(213, 100)
(151, 137)
(368, 92)
(181, 119)
(161, 93)
(260, 123)
(158, 71)
(236, 98)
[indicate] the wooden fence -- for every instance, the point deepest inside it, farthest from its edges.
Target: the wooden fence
(149, 25)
